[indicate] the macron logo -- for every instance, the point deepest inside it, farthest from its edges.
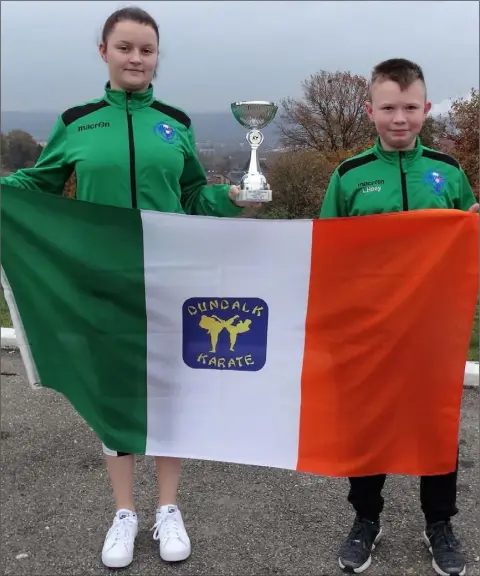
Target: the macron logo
(94, 126)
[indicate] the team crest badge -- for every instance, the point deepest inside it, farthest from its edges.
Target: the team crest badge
(225, 333)
(436, 181)
(165, 131)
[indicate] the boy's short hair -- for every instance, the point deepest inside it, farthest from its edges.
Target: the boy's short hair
(403, 72)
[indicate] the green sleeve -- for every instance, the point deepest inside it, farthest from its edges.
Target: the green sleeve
(198, 198)
(333, 205)
(51, 170)
(466, 198)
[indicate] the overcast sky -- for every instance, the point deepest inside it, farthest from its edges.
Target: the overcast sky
(214, 53)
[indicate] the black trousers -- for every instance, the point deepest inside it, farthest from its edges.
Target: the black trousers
(438, 495)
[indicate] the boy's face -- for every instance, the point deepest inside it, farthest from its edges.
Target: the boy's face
(398, 116)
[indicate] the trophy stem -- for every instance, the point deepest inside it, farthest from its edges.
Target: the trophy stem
(254, 167)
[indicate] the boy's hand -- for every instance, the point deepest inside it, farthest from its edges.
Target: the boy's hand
(474, 208)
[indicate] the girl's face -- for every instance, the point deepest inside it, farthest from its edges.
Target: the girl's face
(131, 54)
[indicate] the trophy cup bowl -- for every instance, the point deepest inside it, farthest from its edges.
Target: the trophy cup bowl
(254, 115)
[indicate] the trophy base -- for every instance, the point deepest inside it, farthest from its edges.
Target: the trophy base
(259, 195)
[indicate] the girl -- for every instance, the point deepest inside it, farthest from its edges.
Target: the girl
(129, 149)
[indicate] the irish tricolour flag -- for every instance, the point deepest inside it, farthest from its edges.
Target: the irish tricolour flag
(335, 347)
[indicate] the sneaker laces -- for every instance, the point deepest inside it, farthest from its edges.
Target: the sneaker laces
(362, 531)
(122, 528)
(168, 523)
(441, 535)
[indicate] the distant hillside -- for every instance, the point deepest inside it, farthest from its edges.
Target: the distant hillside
(213, 127)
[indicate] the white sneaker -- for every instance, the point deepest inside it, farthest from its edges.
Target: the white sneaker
(119, 542)
(170, 531)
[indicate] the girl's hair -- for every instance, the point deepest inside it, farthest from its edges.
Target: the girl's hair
(133, 14)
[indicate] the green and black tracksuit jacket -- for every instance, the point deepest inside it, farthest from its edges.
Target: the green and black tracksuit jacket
(127, 150)
(379, 181)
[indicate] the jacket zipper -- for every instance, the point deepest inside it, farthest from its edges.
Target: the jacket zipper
(131, 148)
(403, 179)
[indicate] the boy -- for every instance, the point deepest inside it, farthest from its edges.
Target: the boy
(399, 174)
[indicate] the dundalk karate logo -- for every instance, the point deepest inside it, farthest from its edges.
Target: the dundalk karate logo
(225, 333)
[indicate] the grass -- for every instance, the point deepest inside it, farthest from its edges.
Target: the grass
(5, 320)
(473, 351)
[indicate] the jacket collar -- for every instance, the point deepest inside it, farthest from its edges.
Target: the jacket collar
(408, 156)
(129, 100)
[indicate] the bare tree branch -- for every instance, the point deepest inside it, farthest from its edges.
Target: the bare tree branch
(330, 116)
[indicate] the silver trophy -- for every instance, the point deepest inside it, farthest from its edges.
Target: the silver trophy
(254, 115)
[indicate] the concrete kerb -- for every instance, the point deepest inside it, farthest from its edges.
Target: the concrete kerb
(471, 375)
(471, 379)
(9, 339)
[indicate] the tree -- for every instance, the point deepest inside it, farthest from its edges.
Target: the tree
(5, 161)
(70, 188)
(298, 180)
(433, 131)
(464, 133)
(23, 149)
(331, 115)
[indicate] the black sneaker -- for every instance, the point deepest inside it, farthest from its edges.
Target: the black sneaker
(448, 558)
(355, 553)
